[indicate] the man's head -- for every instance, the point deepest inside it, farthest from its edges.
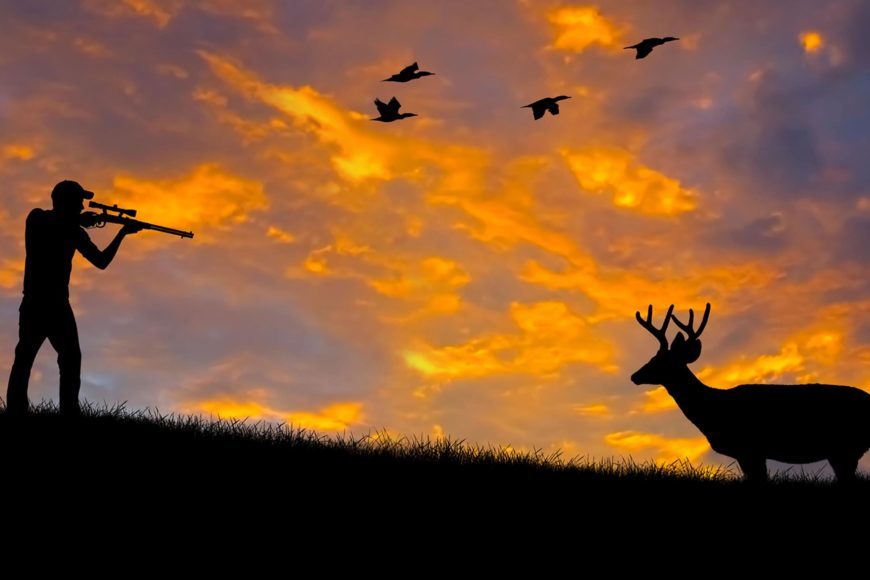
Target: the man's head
(68, 196)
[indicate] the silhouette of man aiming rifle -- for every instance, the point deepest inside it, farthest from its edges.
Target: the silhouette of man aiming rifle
(51, 239)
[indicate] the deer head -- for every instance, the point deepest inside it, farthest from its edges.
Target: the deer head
(666, 365)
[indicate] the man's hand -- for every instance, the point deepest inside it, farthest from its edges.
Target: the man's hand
(131, 228)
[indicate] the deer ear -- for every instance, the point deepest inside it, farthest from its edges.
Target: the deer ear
(692, 351)
(688, 350)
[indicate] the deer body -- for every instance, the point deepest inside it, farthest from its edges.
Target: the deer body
(753, 423)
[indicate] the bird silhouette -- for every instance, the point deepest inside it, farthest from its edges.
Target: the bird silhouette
(645, 46)
(389, 112)
(546, 104)
(408, 73)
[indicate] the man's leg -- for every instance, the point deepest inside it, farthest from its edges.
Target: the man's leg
(31, 335)
(64, 337)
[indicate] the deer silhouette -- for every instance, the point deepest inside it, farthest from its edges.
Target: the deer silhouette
(753, 423)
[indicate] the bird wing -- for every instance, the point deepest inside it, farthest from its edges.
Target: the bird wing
(642, 51)
(383, 108)
(409, 69)
(553, 108)
(394, 105)
(538, 110)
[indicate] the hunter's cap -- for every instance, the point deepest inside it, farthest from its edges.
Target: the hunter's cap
(70, 189)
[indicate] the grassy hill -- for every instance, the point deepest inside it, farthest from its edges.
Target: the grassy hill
(198, 465)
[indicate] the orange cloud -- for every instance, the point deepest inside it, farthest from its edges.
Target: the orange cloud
(576, 28)
(758, 370)
(507, 217)
(360, 155)
(510, 217)
(665, 449)
(806, 356)
(811, 41)
(474, 359)
(360, 150)
(257, 12)
(555, 336)
(280, 235)
(619, 294)
(318, 260)
(92, 47)
(657, 400)
(433, 281)
(430, 285)
(335, 417)
(315, 262)
(551, 337)
(206, 201)
(615, 172)
(11, 273)
(251, 130)
(158, 11)
(208, 96)
(18, 152)
(761, 369)
(598, 410)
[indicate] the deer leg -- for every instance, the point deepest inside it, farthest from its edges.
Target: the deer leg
(844, 468)
(754, 469)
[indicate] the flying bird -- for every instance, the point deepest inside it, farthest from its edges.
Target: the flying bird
(645, 46)
(408, 73)
(390, 111)
(546, 104)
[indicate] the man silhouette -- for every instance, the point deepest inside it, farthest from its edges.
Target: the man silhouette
(51, 239)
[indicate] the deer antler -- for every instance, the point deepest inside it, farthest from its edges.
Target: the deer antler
(659, 333)
(689, 328)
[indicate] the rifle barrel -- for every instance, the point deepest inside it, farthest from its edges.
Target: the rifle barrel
(165, 230)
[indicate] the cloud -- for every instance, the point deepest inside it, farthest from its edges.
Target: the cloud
(666, 450)
(619, 294)
(630, 185)
(160, 12)
(208, 199)
(854, 240)
(359, 154)
(279, 235)
(855, 35)
(657, 400)
(775, 143)
(172, 70)
(429, 285)
(576, 28)
(334, 417)
(811, 41)
(432, 281)
(11, 274)
(764, 234)
(259, 13)
(93, 48)
(551, 337)
(360, 151)
(16, 152)
(806, 356)
(596, 410)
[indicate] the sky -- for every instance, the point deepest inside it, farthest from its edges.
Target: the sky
(470, 272)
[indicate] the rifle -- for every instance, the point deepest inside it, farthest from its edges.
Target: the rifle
(90, 219)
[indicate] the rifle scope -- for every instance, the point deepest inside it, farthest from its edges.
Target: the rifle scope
(114, 208)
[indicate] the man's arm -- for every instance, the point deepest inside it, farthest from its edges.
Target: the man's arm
(102, 258)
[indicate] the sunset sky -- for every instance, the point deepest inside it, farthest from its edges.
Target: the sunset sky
(468, 272)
